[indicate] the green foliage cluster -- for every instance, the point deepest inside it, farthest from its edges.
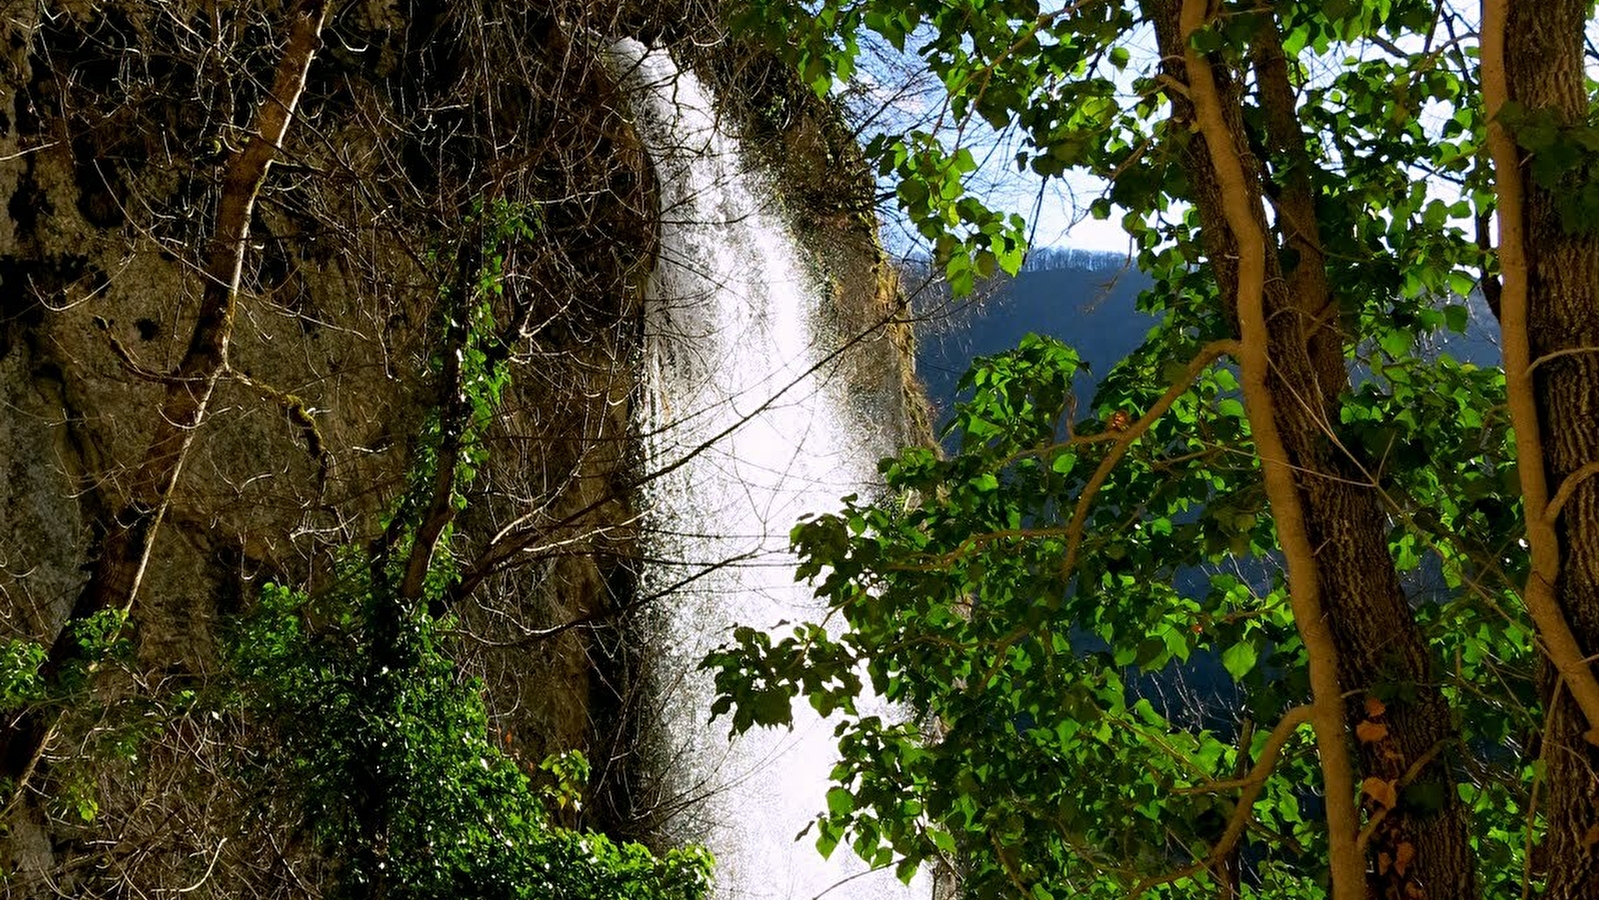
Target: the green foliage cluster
(1019, 599)
(461, 819)
(20, 683)
(971, 240)
(1026, 756)
(373, 731)
(1030, 754)
(1565, 159)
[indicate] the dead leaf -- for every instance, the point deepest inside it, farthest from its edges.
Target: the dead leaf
(1375, 707)
(1381, 791)
(1369, 732)
(1403, 854)
(1591, 836)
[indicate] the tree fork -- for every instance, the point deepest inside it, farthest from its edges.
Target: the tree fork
(125, 549)
(1296, 207)
(1343, 520)
(1445, 861)
(1347, 868)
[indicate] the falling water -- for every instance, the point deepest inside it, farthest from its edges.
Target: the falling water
(732, 351)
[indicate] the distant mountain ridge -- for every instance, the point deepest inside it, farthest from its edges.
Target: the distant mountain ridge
(1089, 300)
(1085, 298)
(1052, 259)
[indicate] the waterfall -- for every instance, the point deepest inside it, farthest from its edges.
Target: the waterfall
(732, 336)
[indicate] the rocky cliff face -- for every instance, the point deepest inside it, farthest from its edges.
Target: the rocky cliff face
(116, 125)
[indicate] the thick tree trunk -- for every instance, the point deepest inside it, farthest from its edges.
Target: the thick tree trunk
(1544, 71)
(1378, 642)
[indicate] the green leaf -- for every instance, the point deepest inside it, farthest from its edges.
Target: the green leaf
(827, 838)
(1239, 659)
(905, 871)
(1395, 343)
(840, 802)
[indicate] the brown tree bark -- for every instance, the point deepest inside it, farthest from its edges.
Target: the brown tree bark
(1543, 67)
(1378, 643)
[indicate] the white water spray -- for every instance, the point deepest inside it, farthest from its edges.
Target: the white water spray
(732, 336)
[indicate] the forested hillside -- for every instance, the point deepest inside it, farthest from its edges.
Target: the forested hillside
(1087, 300)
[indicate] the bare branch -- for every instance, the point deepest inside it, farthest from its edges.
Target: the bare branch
(125, 551)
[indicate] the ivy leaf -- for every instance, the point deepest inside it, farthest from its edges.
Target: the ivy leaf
(1381, 791)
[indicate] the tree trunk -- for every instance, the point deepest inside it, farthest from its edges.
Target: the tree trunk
(125, 550)
(1379, 645)
(1544, 71)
